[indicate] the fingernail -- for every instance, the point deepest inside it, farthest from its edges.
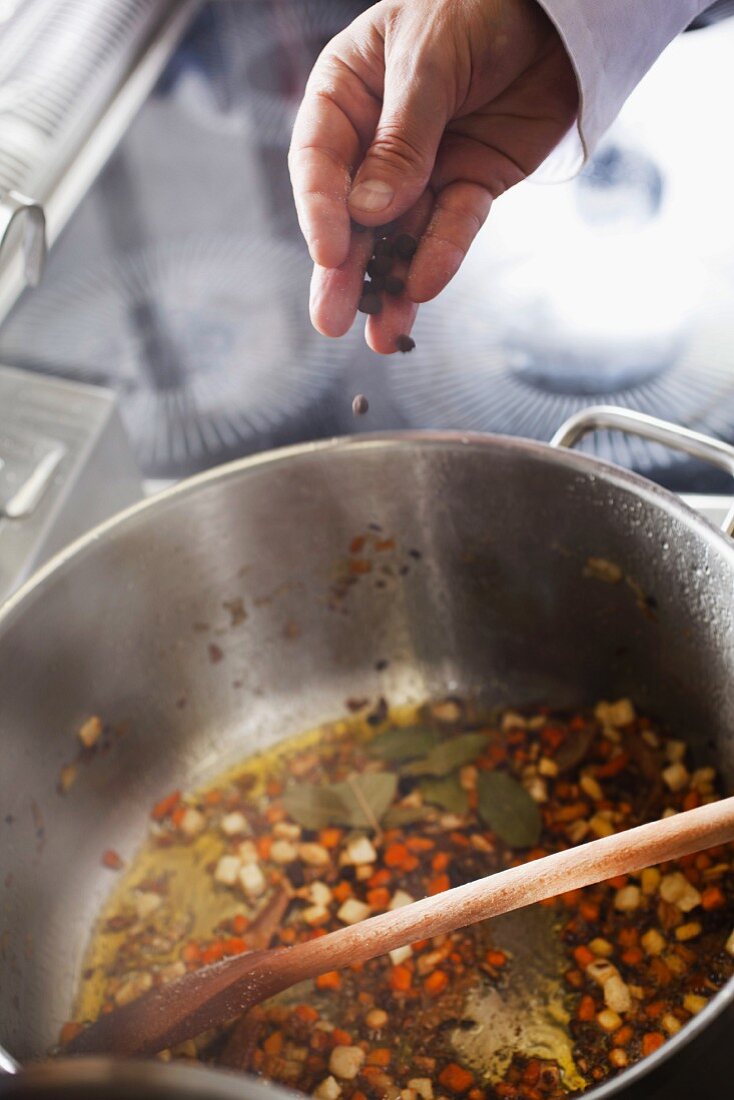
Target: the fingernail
(371, 196)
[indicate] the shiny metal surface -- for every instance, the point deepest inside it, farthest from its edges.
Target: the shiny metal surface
(611, 418)
(497, 606)
(73, 74)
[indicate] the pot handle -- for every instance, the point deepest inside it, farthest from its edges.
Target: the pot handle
(613, 418)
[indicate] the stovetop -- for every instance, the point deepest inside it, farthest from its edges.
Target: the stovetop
(182, 280)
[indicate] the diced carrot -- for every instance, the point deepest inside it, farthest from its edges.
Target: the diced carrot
(420, 844)
(655, 1009)
(384, 544)
(420, 945)
(288, 936)
(660, 972)
(436, 982)
(380, 878)
(274, 787)
(69, 1031)
(589, 910)
(341, 1038)
(702, 861)
(458, 840)
(632, 956)
(628, 937)
(691, 800)
(395, 855)
(163, 808)
(307, 1013)
(380, 1056)
(360, 566)
(475, 1094)
(713, 898)
(342, 890)
(622, 1036)
(112, 859)
(273, 814)
(456, 958)
(618, 881)
(612, 767)
(177, 816)
(356, 546)
(652, 1041)
(496, 958)
(440, 861)
(329, 838)
(263, 845)
(572, 897)
(438, 884)
(235, 945)
(401, 978)
(379, 897)
(574, 978)
(239, 923)
(331, 980)
(455, 1078)
(535, 853)
(552, 737)
(409, 863)
(191, 952)
(577, 723)
(531, 1073)
(213, 798)
(583, 955)
(586, 1008)
(274, 1043)
(213, 953)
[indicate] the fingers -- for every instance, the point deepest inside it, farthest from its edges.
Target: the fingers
(335, 292)
(330, 132)
(460, 211)
(400, 159)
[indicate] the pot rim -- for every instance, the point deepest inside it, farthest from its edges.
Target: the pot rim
(653, 495)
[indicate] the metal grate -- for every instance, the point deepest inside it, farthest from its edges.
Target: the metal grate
(59, 62)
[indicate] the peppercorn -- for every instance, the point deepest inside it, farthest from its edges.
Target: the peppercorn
(405, 246)
(360, 405)
(369, 302)
(394, 285)
(379, 265)
(404, 343)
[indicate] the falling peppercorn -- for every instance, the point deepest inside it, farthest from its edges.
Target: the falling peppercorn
(404, 343)
(360, 405)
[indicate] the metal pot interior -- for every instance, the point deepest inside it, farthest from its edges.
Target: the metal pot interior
(486, 595)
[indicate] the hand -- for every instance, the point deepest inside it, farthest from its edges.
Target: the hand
(421, 113)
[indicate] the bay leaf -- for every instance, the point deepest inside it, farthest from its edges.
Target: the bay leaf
(397, 817)
(404, 743)
(450, 754)
(507, 808)
(574, 748)
(446, 792)
(318, 805)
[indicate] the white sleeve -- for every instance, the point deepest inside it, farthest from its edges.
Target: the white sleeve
(612, 44)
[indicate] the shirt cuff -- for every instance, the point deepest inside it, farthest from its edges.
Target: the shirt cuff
(611, 45)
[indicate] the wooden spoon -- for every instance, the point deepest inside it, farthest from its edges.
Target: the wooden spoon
(205, 998)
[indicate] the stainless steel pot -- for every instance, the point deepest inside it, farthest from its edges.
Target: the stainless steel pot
(133, 623)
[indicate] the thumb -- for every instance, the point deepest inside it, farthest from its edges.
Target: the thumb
(398, 164)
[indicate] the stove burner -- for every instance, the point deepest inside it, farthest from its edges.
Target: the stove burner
(206, 339)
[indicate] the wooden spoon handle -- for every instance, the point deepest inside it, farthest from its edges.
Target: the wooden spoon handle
(621, 853)
(208, 997)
